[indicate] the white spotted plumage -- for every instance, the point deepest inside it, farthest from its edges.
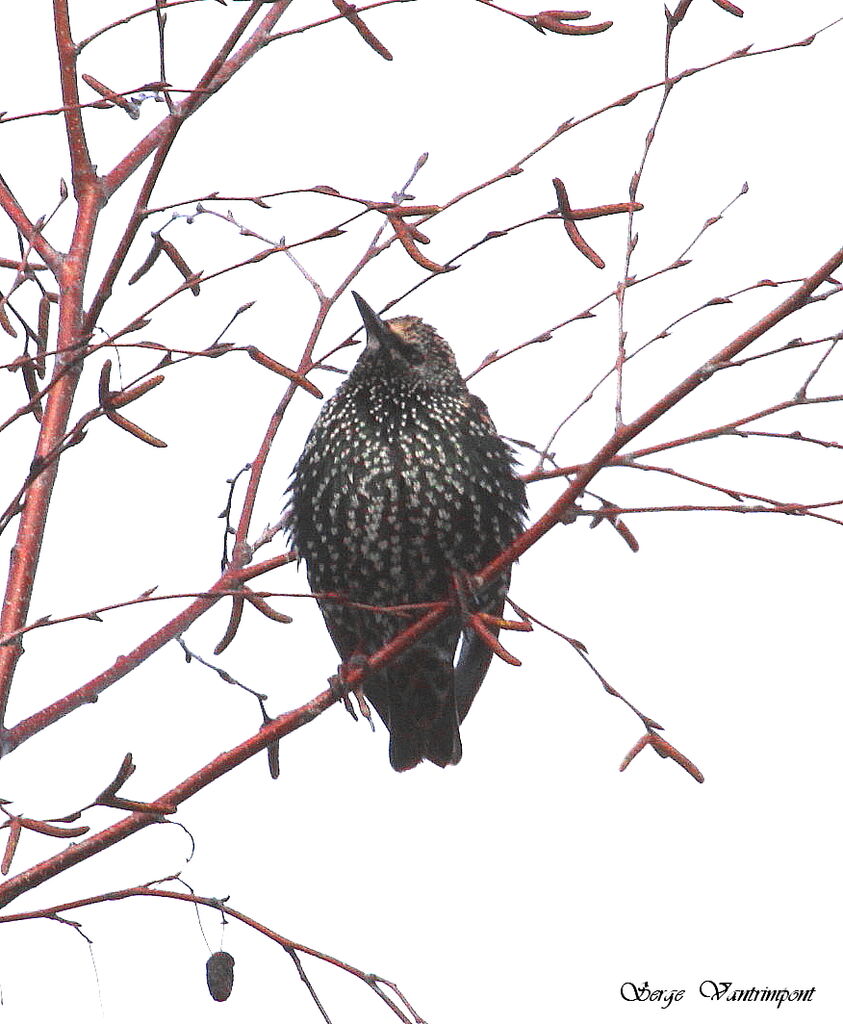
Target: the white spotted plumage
(402, 483)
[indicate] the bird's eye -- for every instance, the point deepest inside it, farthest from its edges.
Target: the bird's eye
(411, 351)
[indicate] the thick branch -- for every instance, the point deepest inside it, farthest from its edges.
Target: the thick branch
(66, 371)
(125, 664)
(31, 232)
(279, 727)
(220, 70)
(82, 170)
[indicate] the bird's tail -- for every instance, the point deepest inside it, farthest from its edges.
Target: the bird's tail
(421, 711)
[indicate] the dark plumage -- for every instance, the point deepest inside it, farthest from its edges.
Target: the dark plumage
(403, 485)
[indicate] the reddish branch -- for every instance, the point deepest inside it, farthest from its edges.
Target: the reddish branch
(92, 845)
(349, 12)
(724, 430)
(31, 232)
(157, 142)
(663, 749)
(88, 693)
(558, 512)
(71, 273)
(75, 327)
(374, 981)
(627, 432)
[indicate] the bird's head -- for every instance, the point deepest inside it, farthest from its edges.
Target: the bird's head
(406, 348)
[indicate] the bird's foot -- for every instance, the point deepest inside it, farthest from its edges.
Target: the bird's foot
(465, 588)
(363, 705)
(339, 684)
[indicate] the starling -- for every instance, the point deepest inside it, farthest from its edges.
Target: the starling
(403, 488)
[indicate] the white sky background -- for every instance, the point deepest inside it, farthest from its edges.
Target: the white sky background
(532, 880)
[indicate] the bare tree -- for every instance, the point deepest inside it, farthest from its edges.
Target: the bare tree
(82, 348)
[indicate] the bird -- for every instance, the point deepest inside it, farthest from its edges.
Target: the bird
(403, 489)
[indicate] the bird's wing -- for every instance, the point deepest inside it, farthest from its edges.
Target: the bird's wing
(475, 657)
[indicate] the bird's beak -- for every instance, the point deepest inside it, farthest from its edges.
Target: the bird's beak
(375, 327)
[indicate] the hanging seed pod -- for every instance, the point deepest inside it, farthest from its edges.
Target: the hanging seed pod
(219, 970)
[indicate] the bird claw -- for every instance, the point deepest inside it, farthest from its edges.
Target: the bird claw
(340, 691)
(339, 685)
(465, 594)
(363, 705)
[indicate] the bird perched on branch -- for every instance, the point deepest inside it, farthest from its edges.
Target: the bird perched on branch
(403, 490)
